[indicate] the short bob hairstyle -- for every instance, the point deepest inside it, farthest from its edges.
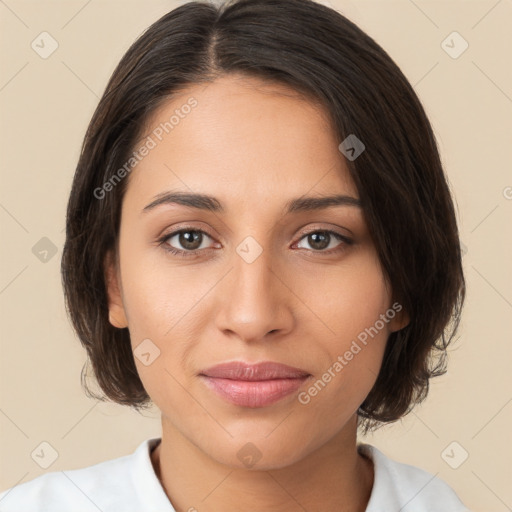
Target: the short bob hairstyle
(405, 195)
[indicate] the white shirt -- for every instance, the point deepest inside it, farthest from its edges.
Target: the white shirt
(129, 484)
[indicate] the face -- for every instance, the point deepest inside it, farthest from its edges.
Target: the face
(252, 279)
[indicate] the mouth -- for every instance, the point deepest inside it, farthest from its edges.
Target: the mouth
(253, 385)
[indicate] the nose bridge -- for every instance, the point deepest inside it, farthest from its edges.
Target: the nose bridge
(253, 268)
(253, 274)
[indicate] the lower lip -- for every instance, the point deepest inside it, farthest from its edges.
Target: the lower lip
(253, 393)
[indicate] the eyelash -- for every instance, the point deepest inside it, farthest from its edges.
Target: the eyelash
(182, 253)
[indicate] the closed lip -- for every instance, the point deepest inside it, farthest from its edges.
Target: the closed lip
(266, 370)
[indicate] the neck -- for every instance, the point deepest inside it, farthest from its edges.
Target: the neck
(333, 477)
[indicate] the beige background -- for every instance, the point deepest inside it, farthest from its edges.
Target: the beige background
(45, 107)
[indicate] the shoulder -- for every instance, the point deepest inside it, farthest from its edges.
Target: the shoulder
(113, 485)
(399, 486)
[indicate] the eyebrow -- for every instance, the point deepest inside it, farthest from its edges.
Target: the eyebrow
(212, 204)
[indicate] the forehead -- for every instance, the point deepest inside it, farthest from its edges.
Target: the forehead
(244, 140)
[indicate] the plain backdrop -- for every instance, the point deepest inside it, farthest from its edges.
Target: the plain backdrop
(461, 433)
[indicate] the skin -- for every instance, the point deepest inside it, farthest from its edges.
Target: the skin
(254, 146)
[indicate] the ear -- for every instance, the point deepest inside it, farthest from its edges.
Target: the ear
(116, 311)
(401, 318)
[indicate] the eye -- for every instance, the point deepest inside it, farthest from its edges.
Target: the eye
(191, 240)
(320, 240)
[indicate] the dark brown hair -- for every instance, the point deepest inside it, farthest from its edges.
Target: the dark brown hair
(404, 192)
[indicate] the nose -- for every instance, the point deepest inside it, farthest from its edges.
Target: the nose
(256, 301)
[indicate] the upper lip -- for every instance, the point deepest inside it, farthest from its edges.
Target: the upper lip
(267, 370)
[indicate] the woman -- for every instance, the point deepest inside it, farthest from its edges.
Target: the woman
(261, 241)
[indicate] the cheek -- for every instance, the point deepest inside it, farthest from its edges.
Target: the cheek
(163, 305)
(353, 310)
(348, 298)
(155, 297)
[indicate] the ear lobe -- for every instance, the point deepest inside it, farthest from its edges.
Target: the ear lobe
(116, 312)
(400, 320)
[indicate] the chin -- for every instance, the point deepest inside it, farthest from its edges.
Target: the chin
(256, 453)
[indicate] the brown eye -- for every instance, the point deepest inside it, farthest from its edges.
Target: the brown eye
(320, 240)
(190, 240)
(185, 242)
